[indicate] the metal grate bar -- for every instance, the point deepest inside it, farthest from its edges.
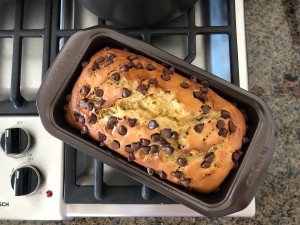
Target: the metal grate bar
(15, 93)
(233, 44)
(98, 190)
(17, 104)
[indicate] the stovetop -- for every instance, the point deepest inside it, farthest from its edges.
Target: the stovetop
(32, 33)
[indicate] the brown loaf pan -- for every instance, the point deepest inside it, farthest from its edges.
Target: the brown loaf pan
(240, 186)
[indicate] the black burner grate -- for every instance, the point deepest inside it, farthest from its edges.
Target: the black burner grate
(17, 103)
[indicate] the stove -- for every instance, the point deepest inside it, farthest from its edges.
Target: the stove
(50, 180)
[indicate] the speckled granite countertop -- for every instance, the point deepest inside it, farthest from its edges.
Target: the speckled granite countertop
(273, 44)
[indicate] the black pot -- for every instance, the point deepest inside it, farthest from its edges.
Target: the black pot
(136, 13)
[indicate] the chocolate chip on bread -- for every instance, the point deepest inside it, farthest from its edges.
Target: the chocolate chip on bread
(176, 127)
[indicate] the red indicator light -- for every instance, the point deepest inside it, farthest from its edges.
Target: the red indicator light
(49, 193)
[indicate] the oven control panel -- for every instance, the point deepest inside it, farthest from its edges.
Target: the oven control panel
(31, 170)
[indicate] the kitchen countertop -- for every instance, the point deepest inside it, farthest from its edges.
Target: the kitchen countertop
(273, 45)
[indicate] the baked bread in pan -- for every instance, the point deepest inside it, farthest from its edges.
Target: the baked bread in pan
(176, 127)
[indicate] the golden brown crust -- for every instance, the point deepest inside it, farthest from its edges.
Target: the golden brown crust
(201, 156)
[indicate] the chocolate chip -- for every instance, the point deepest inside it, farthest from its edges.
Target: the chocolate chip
(100, 59)
(231, 127)
(101, 103)
(176, 174)
(223, 132)
(199, 127)
(150, 171)
(122, 130)
(102, 144)
(123, 69)
(245, 140)
(185, 181)
(162, 175)
(126, 93)
(170, 70)
(84, 129)
(182, 161)
(225, 114)
(139, 66)
(205, 83)
(184, 85)
(84, 64)
(145, 142)
(163, 142)
(90, 106)
(201, 96)
(165, 76)
(115, 76)
(76, 116)
(81, 119)
(204, 89)
(95, 66)
(174, 135)
(166, 133)
(220, 124)
(108, 62)
(128, 149)
(85, 90)
(145, 149)
(142, 88)
(93, 119)
(153, 81)
(236, 156)
(152, 124)
(110, 55)
(150, 67)
(83, 103)
(155, 137)
(130, 65)
(135, 146)
(99, 92)
(197, 94)
(112, 121)
(205, 109)
(102, 137)
(132, 122)
(132, 57)
(205, 164)
(115, 144)
(194, 79)
(208, 159)
(169, 149)
(131, 157)
(109, 126)
(153, 149)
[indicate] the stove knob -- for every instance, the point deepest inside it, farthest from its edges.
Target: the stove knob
(15, 141)
(25, 180)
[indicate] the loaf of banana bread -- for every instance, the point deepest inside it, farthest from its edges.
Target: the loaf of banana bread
(176, 127)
